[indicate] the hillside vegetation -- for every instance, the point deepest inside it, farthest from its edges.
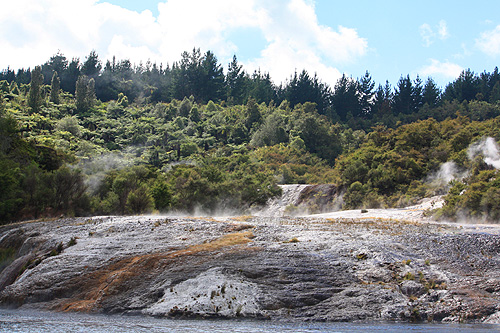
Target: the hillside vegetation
(83, 139)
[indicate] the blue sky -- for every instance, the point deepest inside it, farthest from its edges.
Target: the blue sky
(388, 38)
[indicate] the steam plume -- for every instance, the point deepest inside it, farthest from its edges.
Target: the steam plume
(488, 148)
(97, 167)
(447, 172)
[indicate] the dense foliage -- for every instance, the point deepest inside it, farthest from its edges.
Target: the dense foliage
(396, 167)
(360, 102)
(82, 138)
(119, 157)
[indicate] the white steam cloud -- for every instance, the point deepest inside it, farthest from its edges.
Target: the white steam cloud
(97, 167)
(446, 173)
(439, 181)
(488, 148)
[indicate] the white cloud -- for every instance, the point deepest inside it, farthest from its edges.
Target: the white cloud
(441, 69)
(282, 60)
(34, 30)
(489, 42)
(185, 24)
(426, 34)
(465, 52)
(442, 30)
(297, 41)
(429, 34)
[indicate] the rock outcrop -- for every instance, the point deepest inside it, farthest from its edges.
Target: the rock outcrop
(301, 199)
(280, 268)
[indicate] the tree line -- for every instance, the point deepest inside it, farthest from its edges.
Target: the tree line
(359, 102)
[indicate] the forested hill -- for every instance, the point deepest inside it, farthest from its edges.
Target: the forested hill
(80, 138)
(360, 102)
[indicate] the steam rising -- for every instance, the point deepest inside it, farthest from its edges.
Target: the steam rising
(97, 167)
(447, 172)
(439, 181)
(488, 148)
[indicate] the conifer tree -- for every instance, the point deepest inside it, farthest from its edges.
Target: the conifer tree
(416, 95)
(495, 93)
(54, 88)
(431, 93)
(252, 113)
(91, 93)
(85, 93)
(345, 98)
(403, 96)
(35, 96)
(366, 93)
(92, 65)
(81, 93)
(235, 82)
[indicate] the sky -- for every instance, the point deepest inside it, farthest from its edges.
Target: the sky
(389, 39)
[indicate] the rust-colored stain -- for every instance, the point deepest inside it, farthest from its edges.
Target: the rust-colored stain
(110, 280)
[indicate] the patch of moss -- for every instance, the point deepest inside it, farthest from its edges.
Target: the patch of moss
(7, 255)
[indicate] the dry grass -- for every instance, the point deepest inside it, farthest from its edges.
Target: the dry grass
(88, 221)
(238, 227)
(383, 224)
(202, 218)
(293, 240)
(226, 240)
(243, 218)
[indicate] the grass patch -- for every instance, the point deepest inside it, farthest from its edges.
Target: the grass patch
(7, 255)
(239, 227)
(362, 256)
(226, 240)
(72, 241)
(293, 240)
(243, 218)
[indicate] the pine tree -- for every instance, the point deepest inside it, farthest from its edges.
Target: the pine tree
(495, 93)
(235, 82)
(382, 100)
(345, 98)
(261, 88)
(92, 65)
(417, 100)
(303, 88)
(55, 85)
(212, 79)
(57, 63)
(35, 96)
(403, 96)
(70, 76)
(366, 93)
(464, 88)
(431, 93)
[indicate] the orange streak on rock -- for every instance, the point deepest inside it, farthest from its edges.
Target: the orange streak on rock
(110, 280)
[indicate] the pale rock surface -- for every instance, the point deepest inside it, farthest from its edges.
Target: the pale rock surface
(340, 266)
